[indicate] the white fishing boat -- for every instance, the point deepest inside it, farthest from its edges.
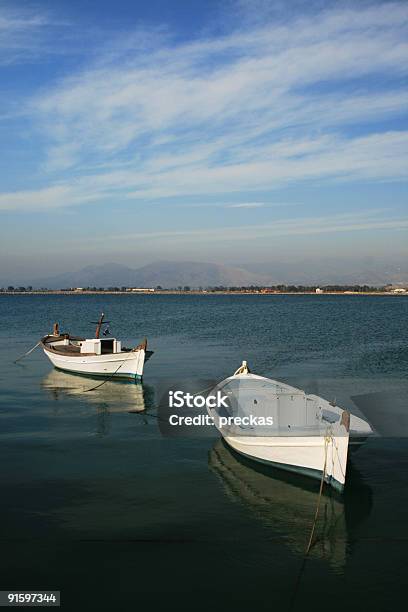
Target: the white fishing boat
(279, 425)
(95, 356)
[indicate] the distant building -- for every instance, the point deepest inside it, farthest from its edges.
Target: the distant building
(142, 289)
(396, 288)
(318, 290)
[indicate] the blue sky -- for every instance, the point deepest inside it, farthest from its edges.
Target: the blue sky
(235, 131)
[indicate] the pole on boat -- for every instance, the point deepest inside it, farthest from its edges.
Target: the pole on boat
(99, 325)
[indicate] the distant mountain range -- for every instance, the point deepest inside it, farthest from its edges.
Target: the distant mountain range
(195, 274)
(164, 274)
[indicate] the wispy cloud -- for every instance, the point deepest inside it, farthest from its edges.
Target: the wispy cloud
(253, 110)
(28, 34)
(246, 205)
(302, 226)
(19, 33)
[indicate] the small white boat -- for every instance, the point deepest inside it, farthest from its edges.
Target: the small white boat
(279, 425)
(95, 356)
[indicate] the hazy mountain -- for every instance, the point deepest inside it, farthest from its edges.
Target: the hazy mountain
(165, 274)
(104, 275)
(195, 274)
(324, 271)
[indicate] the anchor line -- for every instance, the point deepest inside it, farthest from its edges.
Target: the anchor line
(111, 375)
(27, 353)
(327, 438)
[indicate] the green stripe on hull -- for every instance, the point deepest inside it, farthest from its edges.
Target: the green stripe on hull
(118, 377)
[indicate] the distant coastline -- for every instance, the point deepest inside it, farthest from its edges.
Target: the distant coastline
(379, 292)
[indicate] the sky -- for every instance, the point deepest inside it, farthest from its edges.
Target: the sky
(238, 131)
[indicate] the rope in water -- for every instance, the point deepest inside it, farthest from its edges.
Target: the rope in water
(326, 444)
(27, 353)
(310, 543)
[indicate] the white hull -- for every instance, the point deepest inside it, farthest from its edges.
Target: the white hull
(121, 365)
(305, 455)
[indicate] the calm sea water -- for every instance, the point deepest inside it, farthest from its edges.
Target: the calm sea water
(97, 503)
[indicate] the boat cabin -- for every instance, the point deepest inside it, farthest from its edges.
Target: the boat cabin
(88, 346)
(101, 346)
(84, 346)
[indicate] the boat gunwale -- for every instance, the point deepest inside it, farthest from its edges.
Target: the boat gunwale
(52, 349)
(66, 354)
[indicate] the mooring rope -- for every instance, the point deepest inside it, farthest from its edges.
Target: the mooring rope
(327, 438)
(202, 391)
(338, 458)
(27, 353)
(326, 444)
(111, 375)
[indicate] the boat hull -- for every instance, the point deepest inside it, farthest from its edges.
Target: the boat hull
(119, 365)
(307, 434)
(311, 456)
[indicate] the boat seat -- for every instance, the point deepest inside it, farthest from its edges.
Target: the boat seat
(67, 350)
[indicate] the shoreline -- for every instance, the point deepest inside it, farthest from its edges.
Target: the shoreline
(204, 293)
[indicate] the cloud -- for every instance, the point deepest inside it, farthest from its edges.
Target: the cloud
(251, 110)
(366, 221)
(246, 205)
(46, 198)
(24, 34)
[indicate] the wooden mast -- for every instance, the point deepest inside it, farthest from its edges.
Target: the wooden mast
(99, 325)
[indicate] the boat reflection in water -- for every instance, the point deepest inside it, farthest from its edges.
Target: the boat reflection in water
(112, 395)
(287, 503)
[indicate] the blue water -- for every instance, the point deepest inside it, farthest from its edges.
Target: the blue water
(97, 503)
